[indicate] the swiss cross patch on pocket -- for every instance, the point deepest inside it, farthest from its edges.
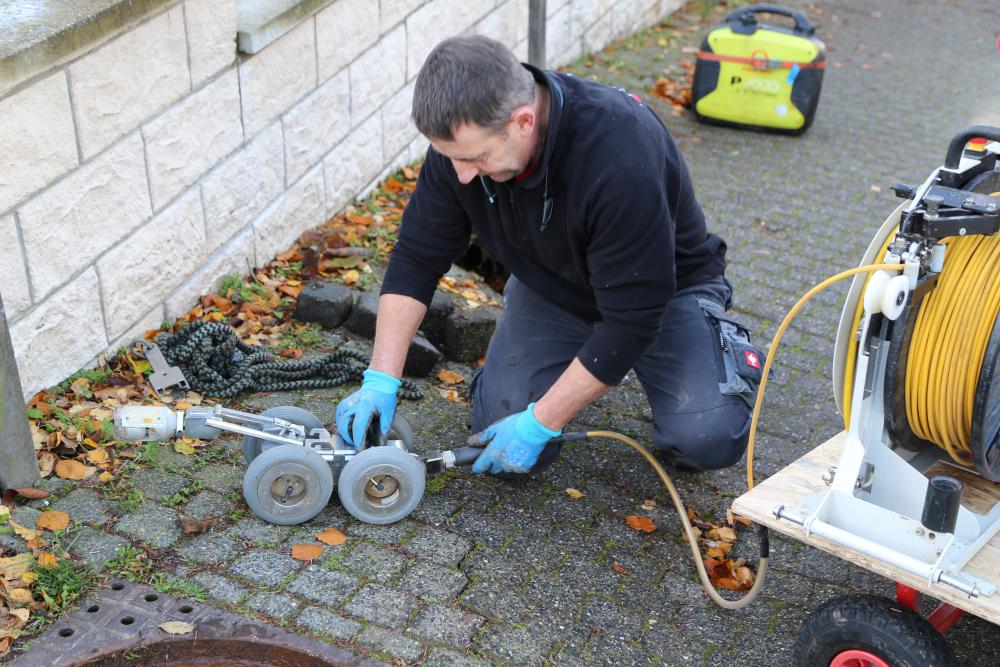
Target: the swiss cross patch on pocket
(752, 358)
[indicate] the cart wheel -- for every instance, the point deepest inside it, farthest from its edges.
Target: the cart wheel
(288, 484)
(381, 484)
(253, 446)
(869, 631)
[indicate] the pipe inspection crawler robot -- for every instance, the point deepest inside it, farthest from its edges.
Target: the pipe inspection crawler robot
(295, 463)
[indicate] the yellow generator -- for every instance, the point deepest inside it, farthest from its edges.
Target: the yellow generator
(759, 75)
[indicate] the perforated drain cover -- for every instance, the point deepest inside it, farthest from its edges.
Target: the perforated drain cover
(121, 626)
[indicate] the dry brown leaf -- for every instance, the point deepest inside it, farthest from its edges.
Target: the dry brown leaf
(22, 531)
(19, 596)
(307, 552)
(54, 520)
(15, 566)
(20, 614)
(47, 559)
(726, 533)
(618, 567)
(192, 526)
(574, 493)
(648, 504)
(31, 492)
(177, 627)
(450, 377)
(331, 536)
(99, 455)
(643, 524)
(70, 469)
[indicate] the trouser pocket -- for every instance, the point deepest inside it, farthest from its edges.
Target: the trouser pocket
(740, 363)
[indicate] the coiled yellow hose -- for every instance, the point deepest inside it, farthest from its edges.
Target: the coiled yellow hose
(947, 346)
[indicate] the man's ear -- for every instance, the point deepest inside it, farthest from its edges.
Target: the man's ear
(524, 119)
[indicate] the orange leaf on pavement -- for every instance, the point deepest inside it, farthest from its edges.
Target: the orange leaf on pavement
(450, 377)
(618, 567)
(643, 524)
(54, 520)
(307, 552)
(69, 469)
(331, 536)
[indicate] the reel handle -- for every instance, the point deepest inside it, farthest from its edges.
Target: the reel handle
(747, 15)
(957, 145)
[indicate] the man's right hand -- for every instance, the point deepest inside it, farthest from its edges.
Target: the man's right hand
(376, 397)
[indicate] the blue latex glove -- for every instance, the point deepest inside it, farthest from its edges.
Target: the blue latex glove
(377, 396)
(515, 443)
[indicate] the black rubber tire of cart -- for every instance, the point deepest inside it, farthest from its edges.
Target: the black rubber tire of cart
(881, 627)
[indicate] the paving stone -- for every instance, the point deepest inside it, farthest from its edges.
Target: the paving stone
(393, 643)
(496, 601)
(477, 527)
(327, 623)
(25, 516)
(434, 510)
(95, 547)
(221, 477)
(325, 303)
(371, 562)
(210, 548)
(467, 333)
(488, 564)
(158, 484)
(558, 597)
(421, 357)
(440, 546)
(220, 588)
(362, 318)
(259, 532)
(324, 586)
(432, 583)
(393, 533)
(273, 604)
(152, 524)
(440, 657)
(433, 326)
(84, 505)
(54, 485)
(207, 504)
(445, 624)
(612, 619)
(511, 645)
(611, 651)
(265, 567)
(381, 604)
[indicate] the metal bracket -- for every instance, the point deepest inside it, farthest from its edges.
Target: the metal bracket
(164, 375)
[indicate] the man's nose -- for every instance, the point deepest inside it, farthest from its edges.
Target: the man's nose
(466, 172)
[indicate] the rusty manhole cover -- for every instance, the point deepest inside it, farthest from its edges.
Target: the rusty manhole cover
(121, 626)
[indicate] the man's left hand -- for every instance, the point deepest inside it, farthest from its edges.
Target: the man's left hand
(515, 443)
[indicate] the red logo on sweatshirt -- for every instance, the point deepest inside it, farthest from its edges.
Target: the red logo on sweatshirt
(753, 361)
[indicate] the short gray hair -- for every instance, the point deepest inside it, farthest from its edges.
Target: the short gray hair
(472, 79)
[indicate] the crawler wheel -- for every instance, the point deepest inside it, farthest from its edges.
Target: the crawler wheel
(288, 484)
(868, 631)
(401, 430)
(381, 484)
(253, 446)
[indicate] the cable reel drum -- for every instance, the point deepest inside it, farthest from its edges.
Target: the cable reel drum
(952, 207)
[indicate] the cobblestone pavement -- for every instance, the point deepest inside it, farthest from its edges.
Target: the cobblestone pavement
(493, 571)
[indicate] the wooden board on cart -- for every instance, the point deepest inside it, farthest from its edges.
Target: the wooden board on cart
(803, 477)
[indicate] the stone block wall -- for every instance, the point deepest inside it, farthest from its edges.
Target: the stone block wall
(142, 169)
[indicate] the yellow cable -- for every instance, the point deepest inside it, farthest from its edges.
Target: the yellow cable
(947, 345)
(706, 581)
(777, 339)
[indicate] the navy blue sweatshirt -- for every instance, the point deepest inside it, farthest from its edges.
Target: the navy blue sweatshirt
(625, 230)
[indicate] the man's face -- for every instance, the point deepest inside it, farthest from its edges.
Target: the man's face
(475, 151)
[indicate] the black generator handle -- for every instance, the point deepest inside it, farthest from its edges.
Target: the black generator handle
(747, 15)
(957, 144)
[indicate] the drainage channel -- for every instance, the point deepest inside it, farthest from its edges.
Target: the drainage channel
(120, 626)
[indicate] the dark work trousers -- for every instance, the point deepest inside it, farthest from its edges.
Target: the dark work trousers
(694, 423)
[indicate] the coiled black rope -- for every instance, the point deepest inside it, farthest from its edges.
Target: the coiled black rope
(216, 363)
